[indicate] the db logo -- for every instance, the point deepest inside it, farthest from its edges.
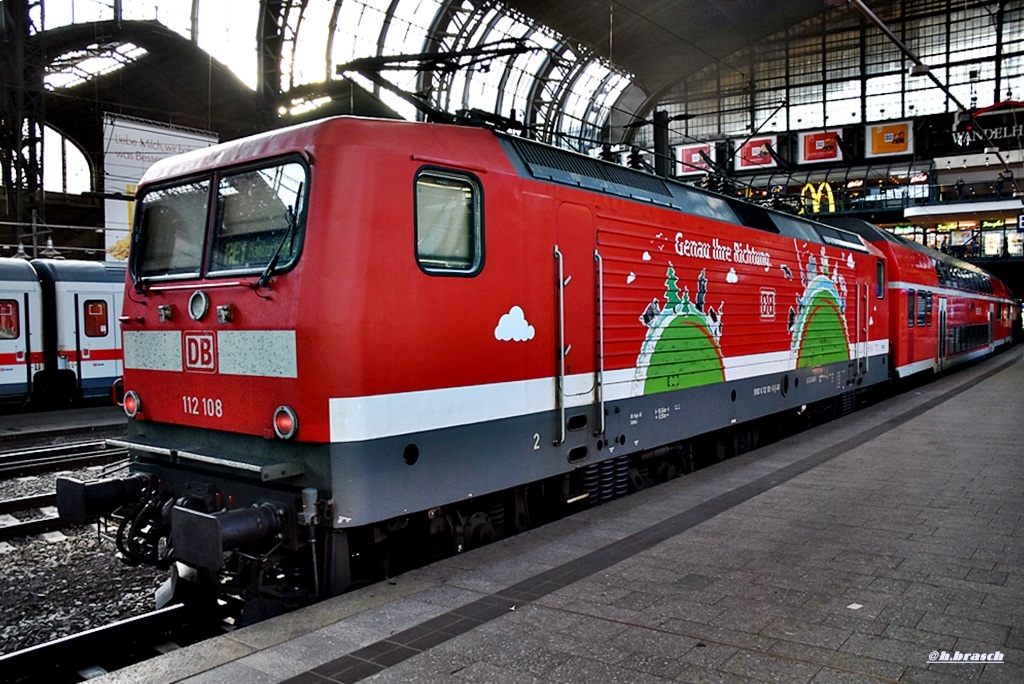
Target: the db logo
(200, 349)
(767, 304)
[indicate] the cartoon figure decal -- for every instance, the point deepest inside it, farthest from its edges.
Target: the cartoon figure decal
(818, 322)
(683, 344)
(682, 347)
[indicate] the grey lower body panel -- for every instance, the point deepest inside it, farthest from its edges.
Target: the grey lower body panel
(396, 476)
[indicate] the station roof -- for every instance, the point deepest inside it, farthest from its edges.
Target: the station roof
(662, 42)
(625, 53)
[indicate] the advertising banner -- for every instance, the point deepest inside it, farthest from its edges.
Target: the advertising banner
(886, 140)
(690, 161)
(818, 146)
(754, 154)
(130, 147)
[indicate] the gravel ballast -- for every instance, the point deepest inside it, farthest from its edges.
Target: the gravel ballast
(72, 582)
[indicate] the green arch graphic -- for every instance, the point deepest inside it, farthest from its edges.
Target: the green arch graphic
(824, 334)
(685, 355)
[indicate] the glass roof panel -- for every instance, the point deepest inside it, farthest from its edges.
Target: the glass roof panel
(305, 60)
(359, 28)
(227, 30)
(407, 31)
(67, 12)
(79, 66)
(176, 16)
(417, 13)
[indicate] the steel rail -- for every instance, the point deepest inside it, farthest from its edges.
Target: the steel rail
(33, 462)
(26, 502)
(31, 528)
(108, 648)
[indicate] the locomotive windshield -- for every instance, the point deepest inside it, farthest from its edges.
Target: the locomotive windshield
(256, 226)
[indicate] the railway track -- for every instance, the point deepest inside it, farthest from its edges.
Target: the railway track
(35, 460)
(94, 652)
(28, 528)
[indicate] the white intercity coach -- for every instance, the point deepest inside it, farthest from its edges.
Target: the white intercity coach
(60, 336)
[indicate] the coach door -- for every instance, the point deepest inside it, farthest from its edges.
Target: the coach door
(15, 342)
(96, 341)
(991, 325)
(578, 373)
(942, 341)
(860, 340)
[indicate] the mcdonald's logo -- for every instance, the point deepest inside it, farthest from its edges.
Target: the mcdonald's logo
(811, 198)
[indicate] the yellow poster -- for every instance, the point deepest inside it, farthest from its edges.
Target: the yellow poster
(889, 139)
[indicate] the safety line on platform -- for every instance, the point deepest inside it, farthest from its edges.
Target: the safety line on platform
(376, 657)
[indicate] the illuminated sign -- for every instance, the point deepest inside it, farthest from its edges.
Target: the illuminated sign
(885, 140)
(754, 154)
(818, 146)
(812, 197)
(691, 159)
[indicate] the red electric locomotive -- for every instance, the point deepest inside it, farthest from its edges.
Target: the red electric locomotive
(944, 311)
(351, 334)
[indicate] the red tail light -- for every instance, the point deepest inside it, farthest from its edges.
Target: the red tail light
(286, 422)
(132, 403)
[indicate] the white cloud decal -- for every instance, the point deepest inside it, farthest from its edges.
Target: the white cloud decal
(849, 260)
(630, 278)
(646, 256)
(513, 327)
(732, 277)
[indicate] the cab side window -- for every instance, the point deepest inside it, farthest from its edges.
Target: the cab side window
(449, 223)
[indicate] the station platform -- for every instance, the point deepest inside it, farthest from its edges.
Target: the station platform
(78, 422)
(886, 546)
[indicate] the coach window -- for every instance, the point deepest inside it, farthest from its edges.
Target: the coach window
(911, 308)
(94, 313)
(922, 308)
(10, 328)
(448, 223)
(879, 280)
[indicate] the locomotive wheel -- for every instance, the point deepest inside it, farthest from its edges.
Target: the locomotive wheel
(666, 471)
(479, 530)
(687, 461)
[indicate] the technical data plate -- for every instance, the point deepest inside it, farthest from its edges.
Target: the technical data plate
(266, 467)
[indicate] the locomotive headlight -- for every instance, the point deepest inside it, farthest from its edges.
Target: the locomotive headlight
(198, 305)
(132, 403)
(286, 422)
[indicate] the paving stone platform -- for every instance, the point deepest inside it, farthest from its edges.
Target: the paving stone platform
(887, 546)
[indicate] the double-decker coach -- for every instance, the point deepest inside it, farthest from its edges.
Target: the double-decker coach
(944, 311)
